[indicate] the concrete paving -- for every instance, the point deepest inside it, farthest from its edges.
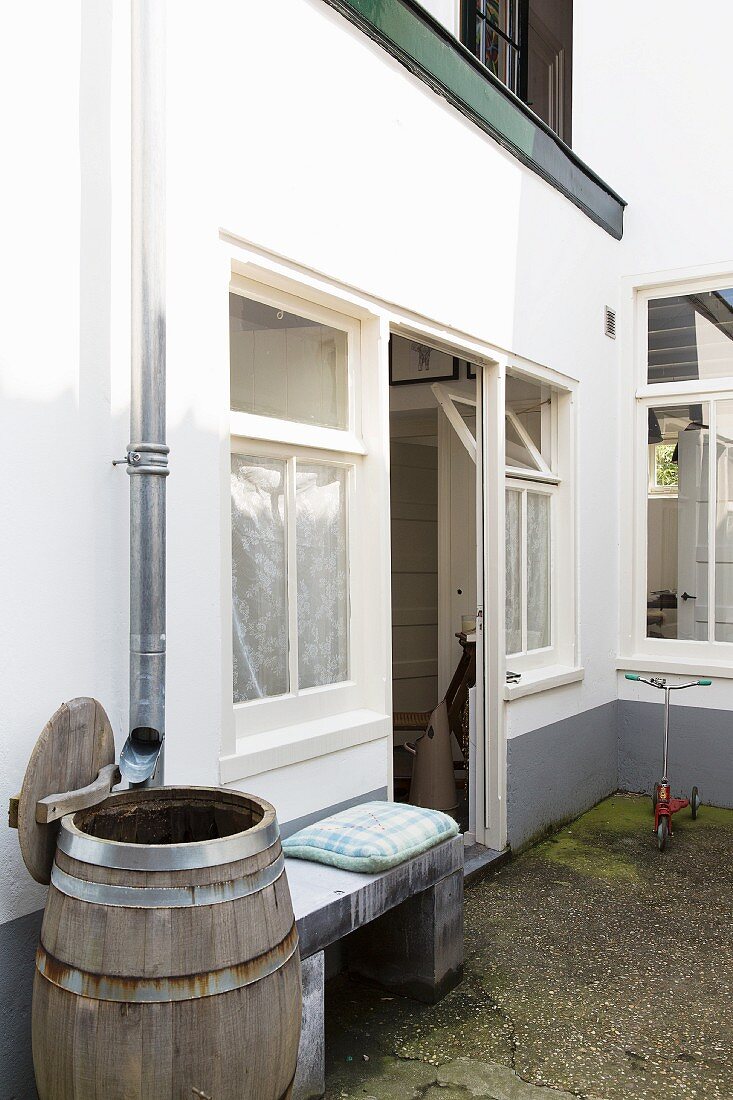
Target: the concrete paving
(596, 967)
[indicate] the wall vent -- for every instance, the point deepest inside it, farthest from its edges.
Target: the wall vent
(609, 322)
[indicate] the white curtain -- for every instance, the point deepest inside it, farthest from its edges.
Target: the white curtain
(320, 536)
(538, 570)
(513, 610)
(259, 578)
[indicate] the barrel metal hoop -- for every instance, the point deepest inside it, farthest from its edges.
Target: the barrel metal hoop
(184, 987)
(166, 897)
(164, 857)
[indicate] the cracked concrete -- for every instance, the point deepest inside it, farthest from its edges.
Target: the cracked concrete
(596, 967)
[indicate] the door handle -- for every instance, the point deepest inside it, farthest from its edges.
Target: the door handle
(686, 596)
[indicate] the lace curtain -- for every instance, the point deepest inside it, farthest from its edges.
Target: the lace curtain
(320, 536)
(534, 547)
(513, 555)
(260, 579)
(538, 570)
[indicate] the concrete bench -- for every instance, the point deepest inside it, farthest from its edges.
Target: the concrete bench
(407, 926)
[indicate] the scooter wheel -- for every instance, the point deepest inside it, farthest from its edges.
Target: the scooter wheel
(662, 834)
(695, 802)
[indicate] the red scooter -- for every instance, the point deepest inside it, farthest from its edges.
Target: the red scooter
(664, 804)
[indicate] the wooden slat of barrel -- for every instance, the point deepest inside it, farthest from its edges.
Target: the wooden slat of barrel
(241, 1043)
(109, 939)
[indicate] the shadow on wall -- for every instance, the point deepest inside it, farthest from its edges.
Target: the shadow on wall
(63, 630)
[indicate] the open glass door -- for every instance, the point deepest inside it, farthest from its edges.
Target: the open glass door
(460, 595)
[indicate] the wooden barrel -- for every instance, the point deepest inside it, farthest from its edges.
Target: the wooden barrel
(168, 964)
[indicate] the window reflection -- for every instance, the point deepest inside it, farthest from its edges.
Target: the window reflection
(690, 336)
(677, 522)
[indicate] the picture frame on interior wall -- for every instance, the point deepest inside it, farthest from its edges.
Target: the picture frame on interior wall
(411, 362)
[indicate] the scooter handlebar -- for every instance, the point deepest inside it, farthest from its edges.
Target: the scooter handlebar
(705, 682)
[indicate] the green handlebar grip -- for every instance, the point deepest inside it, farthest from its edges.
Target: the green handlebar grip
(632, 676)
(704, 683)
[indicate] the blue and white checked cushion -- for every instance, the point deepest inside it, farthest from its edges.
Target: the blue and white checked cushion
(371, 836)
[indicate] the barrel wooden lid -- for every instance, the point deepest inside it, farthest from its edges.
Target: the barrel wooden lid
(72, 748)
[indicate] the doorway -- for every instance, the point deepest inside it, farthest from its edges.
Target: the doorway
(436, 536)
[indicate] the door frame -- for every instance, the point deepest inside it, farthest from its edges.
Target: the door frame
(489, 771)
(453, 432)
(448, 428)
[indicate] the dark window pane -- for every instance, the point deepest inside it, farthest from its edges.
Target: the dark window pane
(690, 336)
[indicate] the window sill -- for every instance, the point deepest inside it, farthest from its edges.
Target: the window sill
(279, 748)
(679, 666)
(543, 679)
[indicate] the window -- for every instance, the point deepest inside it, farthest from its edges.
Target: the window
(290, 575)
(295, 471)
(528, 47)
(538, 550)
(686, 409)
(690, 337)
(286, 366)
(492, 31)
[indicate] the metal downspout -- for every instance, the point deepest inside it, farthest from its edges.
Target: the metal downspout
(141, 760)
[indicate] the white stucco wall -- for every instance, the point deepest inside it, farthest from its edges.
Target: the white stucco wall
(647, 120)
(369, 186)
(332, 155)
(447, 12)
(289, 128)
(63, 416)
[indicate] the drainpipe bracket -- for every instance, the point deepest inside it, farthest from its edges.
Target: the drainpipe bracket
(148, 458)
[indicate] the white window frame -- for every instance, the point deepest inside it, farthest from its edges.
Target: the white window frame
(654, 489)
(556, 480)
(636, 650)
(272, 437)
(524, 657)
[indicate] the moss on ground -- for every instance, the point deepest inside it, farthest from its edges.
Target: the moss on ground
(561, 946)
(595, 844)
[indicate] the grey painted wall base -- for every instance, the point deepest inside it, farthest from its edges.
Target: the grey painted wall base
(287, 828)
(556, 772)
(700, 743)
(18, 942)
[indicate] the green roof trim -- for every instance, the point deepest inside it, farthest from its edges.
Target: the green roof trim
(428, 50)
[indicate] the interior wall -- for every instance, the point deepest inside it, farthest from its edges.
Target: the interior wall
(662, 544)
(414, 527)
(550, 29)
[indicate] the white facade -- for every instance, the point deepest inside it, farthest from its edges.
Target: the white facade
(304, 157)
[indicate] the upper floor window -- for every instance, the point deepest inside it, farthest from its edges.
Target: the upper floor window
(493, 31)
(528, 45)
